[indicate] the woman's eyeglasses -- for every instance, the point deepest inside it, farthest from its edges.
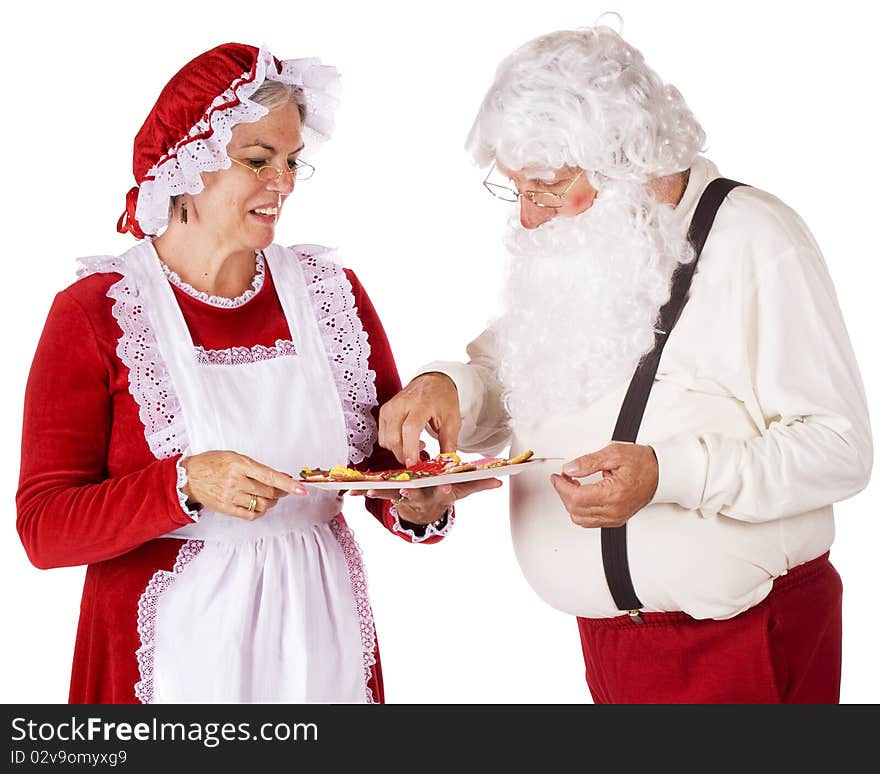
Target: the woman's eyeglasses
(266, 173)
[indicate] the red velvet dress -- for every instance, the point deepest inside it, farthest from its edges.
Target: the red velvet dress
(91, 491)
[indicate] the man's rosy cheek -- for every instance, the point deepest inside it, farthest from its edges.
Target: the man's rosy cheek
(582, 200)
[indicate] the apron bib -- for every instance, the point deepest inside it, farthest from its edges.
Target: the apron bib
(265, 611)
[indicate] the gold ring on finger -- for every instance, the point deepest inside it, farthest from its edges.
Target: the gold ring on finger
(252, 504)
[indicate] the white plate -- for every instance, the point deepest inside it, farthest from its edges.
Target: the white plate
(446, 478)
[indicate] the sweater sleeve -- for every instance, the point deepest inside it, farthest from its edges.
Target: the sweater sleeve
(387, 386)
(484, 420)
(70, 511)
(807, 398)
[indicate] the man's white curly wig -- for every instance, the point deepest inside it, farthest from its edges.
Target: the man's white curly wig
(584, 98)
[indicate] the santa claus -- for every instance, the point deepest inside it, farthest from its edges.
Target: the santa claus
(689, 531)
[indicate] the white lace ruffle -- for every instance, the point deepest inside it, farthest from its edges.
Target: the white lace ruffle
(148, 379)
(345, 340)
(430, 529)
(233, 355)
(239, 355)
(181, 483)
(358, 578)
(99, 264)
(219, 301)
(179, 170)
(146, 617)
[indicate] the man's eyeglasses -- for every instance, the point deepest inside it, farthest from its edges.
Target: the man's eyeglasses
(265, 173)
(539, 198)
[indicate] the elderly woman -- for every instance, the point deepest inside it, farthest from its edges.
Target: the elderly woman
(177, 387)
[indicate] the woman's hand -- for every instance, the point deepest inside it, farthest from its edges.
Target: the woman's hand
(426, 505)
(231, 483)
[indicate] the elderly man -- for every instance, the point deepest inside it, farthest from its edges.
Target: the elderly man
(689, 532)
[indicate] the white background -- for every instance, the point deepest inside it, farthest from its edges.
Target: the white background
(786, 93)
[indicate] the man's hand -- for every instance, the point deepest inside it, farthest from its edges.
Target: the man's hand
(629, 480)
(430, 397)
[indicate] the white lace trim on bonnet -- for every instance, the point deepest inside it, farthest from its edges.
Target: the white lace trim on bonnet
(178, 171)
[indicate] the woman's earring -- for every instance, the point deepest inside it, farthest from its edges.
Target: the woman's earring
(183, 215)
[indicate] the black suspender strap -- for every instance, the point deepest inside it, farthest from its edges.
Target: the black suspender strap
(614, 558)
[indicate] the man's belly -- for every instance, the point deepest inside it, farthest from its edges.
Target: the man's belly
(707, 565)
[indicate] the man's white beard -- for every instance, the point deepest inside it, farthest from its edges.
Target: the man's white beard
(581, 300)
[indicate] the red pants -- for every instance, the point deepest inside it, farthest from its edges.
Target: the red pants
(785, 650)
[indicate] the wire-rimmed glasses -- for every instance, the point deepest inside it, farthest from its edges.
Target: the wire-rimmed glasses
(266, 173)
(539, 198)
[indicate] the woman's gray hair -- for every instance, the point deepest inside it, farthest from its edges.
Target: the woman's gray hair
(270, 94)
(274, 94)
(584, 98)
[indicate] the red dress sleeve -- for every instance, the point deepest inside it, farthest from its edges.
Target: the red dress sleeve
(70, 510)
(381, 362)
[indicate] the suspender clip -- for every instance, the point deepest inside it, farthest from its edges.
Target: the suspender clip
(635, 616)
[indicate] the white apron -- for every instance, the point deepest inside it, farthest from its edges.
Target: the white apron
(265, 611)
